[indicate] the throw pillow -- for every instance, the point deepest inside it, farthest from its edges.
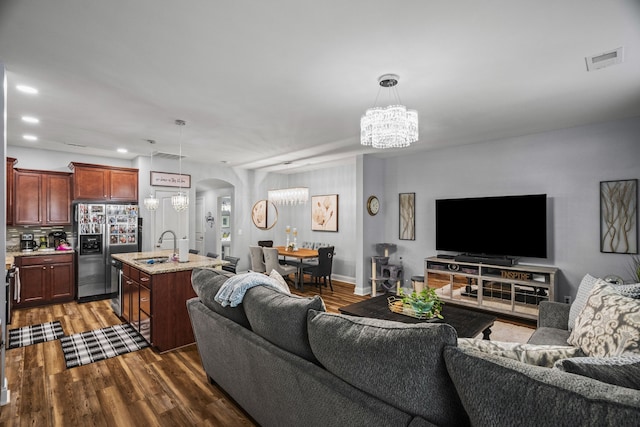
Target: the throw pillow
(281, 319)
(399, 363)
(532, 354)
(623, 371)
(608, 325)
(581, 298)
(584, 290)
(278, 278)
(206, 283)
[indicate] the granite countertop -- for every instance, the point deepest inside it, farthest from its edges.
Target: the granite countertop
(195, 261)
(10, 256)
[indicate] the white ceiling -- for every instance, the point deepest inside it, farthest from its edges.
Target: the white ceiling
(261, 83)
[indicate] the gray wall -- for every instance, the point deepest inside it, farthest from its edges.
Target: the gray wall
(567, 165)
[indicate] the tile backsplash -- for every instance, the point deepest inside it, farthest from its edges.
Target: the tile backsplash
(14, 232)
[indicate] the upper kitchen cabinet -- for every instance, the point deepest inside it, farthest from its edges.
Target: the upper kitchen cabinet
(41, 197)
(10, 163)
(98, 182)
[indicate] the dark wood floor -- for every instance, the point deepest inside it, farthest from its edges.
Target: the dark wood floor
(142, 388)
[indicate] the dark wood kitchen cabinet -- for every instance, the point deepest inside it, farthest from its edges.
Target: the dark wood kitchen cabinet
(155, 306)
(42, 197)
(98, 182)
(10, 165)
(44, 279)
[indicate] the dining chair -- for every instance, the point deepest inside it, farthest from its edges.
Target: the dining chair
(257, 259)
(265, 243)
(194, 251)
(323, 269)
(212, 255)
(271, 262)
(233, 263)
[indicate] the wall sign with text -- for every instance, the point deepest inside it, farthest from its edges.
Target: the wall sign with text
(166, 179)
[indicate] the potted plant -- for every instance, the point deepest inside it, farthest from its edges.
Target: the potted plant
(424, 304)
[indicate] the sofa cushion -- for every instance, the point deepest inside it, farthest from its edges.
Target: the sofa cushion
(206, 282)
(608, 325)
(281, 319)
(584, 290)
(549, 336)
(398, 363)
(496, 391)
(623, 371)
(541, 355)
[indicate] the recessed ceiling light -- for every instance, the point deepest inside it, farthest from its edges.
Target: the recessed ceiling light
(30, 137)
(30, 119)
(122, 150)
(27, 89)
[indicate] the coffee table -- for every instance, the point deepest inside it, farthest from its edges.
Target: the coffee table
(467, 323)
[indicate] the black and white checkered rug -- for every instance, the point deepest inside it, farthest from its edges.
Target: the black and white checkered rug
(93, 346)
(34, 334)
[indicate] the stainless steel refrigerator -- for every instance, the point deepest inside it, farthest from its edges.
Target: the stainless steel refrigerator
(102, 229)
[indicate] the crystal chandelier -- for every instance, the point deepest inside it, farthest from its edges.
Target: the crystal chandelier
(180, 201)
(390, 127)
(151, 203)
(288, 196)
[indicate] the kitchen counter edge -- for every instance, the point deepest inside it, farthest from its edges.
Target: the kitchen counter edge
(195, 261)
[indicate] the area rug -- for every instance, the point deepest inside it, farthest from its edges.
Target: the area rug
(93, 346)
(34, 334)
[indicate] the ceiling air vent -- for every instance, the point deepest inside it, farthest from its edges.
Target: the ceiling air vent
(169, 156)
(605, 59)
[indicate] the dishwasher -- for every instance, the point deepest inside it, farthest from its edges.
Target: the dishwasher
(116, 284)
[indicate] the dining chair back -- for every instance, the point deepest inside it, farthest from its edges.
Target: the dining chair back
(212, 255)
(272, 263)
(194, 251)
(323, 269)
(265, 243)
(233, 264)
(257, 259)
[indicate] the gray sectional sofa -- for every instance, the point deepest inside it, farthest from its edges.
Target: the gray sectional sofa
(287, 362)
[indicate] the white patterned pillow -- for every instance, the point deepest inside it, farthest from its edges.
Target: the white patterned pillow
(608, 325)
(584, 290)
(532, 354)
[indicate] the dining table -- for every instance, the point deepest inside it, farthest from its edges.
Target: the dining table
(300, 254)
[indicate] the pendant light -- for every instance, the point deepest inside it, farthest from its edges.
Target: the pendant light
(180, 201)
(151, 203)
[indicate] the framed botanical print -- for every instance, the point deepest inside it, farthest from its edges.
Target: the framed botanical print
(407, 216)
(324, 213)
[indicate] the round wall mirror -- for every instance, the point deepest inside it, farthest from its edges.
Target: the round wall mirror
(264, 214)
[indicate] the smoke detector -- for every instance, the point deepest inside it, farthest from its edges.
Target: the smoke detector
(605, 59)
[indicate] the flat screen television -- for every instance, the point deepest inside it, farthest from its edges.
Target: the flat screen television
(507, 226)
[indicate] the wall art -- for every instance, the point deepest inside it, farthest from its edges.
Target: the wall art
(166, 179)
(619, 216)
(324, 213)
(407, 216)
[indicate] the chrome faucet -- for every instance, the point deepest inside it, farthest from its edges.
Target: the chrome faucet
(175, 240)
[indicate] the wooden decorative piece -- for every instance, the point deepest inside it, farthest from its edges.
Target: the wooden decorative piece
(407, 216)
(619, 216)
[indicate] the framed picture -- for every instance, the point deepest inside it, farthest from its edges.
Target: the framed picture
(324, 213)
(225, 221)
(259, 214)
(619, 216)
(407, 216)
(166, 179)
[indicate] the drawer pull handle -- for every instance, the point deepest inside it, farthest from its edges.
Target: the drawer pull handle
(144, 279)
(144, 299)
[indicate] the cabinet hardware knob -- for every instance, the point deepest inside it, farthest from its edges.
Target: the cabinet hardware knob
(144, 299)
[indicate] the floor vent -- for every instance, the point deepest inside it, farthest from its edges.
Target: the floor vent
(605, 59)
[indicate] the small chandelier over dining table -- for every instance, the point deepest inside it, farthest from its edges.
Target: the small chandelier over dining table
(391, 127)
(180, 201)
(289, 196)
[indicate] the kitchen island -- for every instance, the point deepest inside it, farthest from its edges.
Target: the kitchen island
(154, 295)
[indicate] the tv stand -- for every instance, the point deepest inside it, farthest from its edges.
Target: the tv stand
(507, 289)
(486, 259)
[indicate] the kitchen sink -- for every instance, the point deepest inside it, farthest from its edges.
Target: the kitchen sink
(151, 261)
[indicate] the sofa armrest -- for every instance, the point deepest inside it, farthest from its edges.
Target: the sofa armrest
(553, 314)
